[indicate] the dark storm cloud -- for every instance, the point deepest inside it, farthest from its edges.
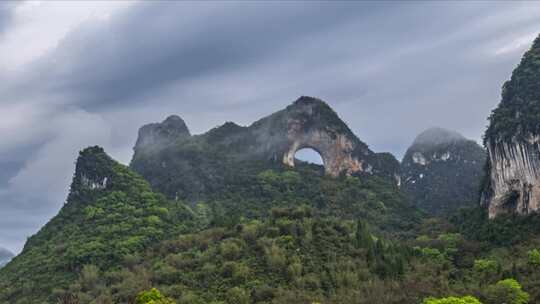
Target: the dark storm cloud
(390, 70)
(154, 44)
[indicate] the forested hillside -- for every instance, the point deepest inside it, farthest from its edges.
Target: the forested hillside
(110, 214)
(280, 236)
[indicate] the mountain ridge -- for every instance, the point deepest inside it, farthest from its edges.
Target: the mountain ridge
(191, 161)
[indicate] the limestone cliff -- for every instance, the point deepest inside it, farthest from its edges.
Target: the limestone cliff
(203, 159)
(441, 171)
(514, 176)
(513, 142)
(157, 135)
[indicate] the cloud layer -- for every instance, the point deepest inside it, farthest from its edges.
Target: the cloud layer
(389, 69)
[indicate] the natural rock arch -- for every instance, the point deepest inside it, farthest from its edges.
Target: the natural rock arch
(306, 123)
(335, 150)
(308, 155)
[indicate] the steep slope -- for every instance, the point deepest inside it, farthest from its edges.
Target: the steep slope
(191, 166)
(442, 171)
(513, 142)
(110, 213)
(5, 256)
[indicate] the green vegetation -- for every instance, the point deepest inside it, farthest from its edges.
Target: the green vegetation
(453, 300)
(274, 235)
(96, 226)
(152, 297)
(506, 292)
(509, 119)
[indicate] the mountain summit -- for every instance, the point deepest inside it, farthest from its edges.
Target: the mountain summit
(158, 135)
(437, 136)
(442, 170)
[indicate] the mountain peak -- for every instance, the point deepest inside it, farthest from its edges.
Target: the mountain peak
(431, 165)
(303, 103)
(176, 122)
(156, 135)
(438, 136)
(93, 170)
(309, 100)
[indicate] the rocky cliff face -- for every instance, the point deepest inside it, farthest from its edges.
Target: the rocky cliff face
(514, 177)
(307, 123)
(513, 142)
(158, 135)
(442, 170)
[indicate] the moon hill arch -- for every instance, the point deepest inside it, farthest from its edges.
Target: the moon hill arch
(190, 164)
(309, 156)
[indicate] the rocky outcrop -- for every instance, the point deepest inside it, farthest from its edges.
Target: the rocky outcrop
(513, 143)
(307, 123)
(93, 171)
(514, 177)
(442, 171)
(158, 135)
(311, 123)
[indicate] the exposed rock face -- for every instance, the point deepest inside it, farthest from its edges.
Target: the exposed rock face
(442, 171)
(307, 123)
(513, 142)
(514, 177)
(155, 135)
(93, 171)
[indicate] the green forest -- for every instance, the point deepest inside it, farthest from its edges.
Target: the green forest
(285, 236)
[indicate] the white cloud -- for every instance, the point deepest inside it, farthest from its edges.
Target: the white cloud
(519, 44)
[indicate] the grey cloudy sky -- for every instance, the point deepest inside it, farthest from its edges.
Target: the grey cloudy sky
(74, 74)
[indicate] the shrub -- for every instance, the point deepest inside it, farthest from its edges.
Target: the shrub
(153, 296)
(237, 295)
(534, 257)
(452, 300)
(506, 292)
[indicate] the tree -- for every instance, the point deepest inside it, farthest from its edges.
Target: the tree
(153, 296)
(534, 257)
(237, 295)
(452, 300)
(506, 292)
(363, 236)
(486, 270)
